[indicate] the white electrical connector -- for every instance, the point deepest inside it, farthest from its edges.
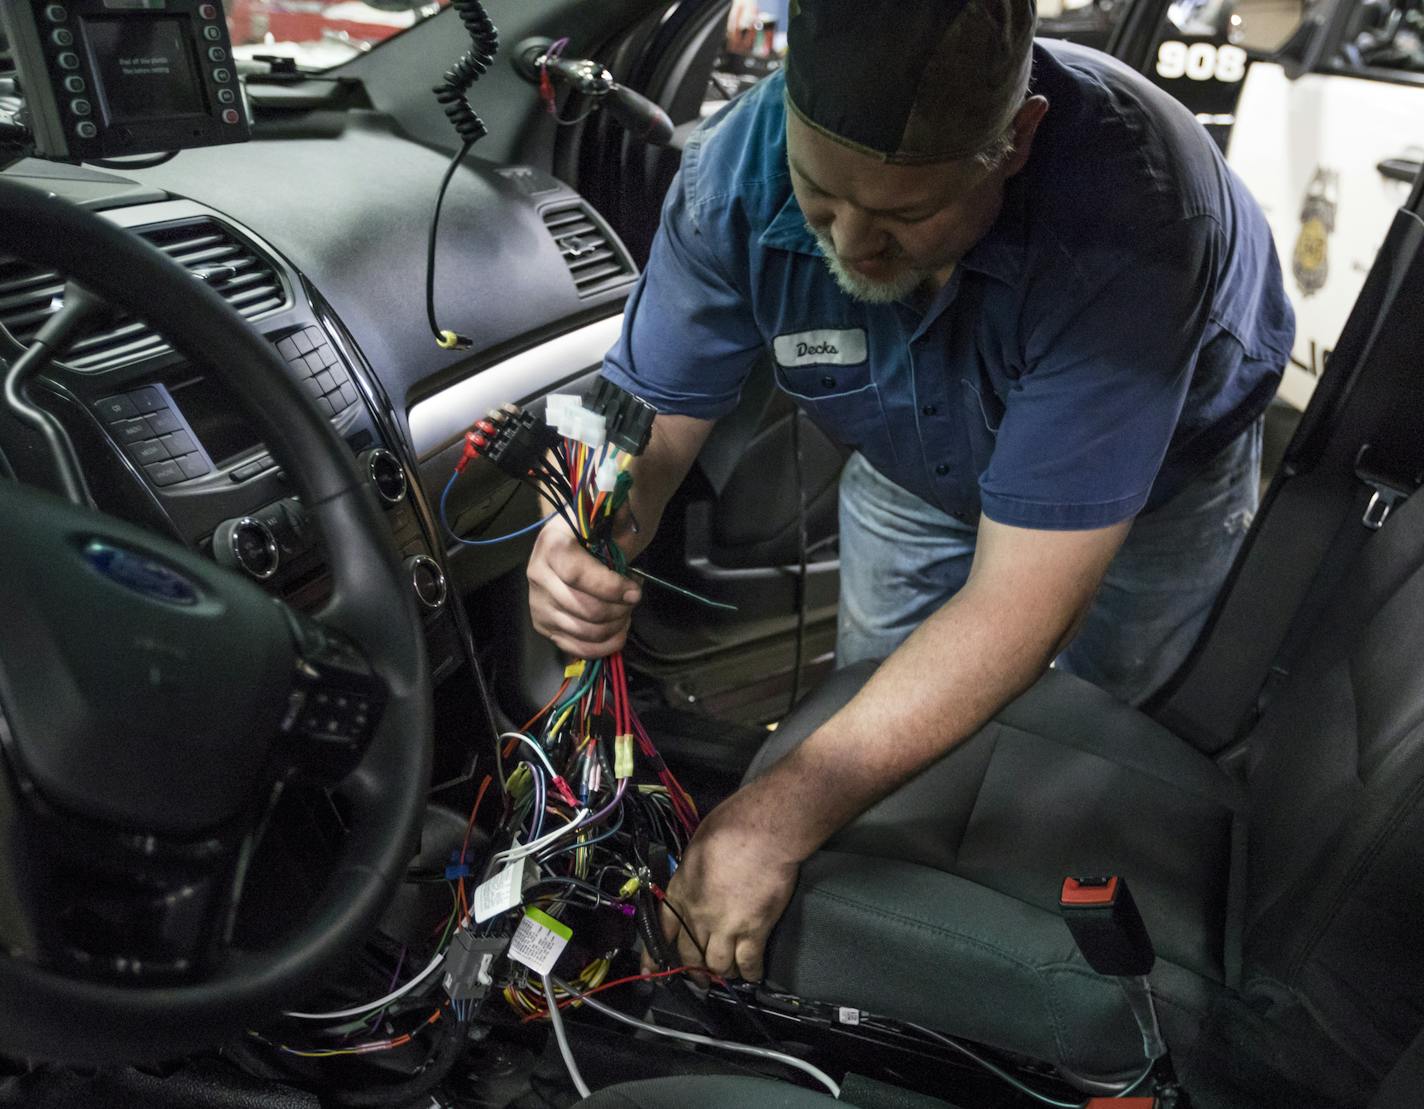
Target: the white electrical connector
(566, 414)
(558, 410)
(606, 476)
(589, 428)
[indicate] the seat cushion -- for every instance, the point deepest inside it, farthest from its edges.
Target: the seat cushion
(940, 904)
(706, 1091)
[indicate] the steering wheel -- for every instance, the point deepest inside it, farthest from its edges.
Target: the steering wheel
(152, 706)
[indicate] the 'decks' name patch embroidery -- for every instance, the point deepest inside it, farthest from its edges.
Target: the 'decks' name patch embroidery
(820, 348)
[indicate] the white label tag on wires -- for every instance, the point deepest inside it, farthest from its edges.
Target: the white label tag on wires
(847, 1016)
(539, 941)
(501, 893)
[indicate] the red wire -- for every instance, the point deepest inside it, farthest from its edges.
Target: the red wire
(543, 1013)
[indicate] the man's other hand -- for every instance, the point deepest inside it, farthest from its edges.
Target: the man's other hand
(734, 883)
(575, 600)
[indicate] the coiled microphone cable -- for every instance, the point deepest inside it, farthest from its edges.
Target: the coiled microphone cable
(453, 96)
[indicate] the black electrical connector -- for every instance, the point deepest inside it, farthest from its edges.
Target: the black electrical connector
(519, 445)
(628, 418)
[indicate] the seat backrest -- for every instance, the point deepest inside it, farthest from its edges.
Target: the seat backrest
(1335, 858)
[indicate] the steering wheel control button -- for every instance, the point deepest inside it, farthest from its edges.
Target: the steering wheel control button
(386, 474)
(231, 115)
(217, 54)
(427, 579)
(164, 473)
(226, 96)
(336, 703)
(62, 37)
(208, 11)
(68, 60)
(113, 409)
(56, 13)
(74, 85)
(246, 543)
(212, 34)
(222, 75)
(148, 450)
(80, 107)
(85, 129)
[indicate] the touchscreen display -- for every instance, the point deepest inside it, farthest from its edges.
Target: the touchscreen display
(145, 67)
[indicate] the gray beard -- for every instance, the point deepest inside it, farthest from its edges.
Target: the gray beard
(861, 288)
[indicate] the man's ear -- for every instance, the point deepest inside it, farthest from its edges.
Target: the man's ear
(1026, 122)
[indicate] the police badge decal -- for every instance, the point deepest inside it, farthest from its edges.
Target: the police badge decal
(1310, 261)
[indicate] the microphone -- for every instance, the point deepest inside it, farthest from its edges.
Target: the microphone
(639, 115)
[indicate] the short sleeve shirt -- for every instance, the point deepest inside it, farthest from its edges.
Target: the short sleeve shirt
(1122, 321)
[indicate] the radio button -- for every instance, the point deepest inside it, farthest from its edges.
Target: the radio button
(163, 421)
(193, 465)
(427, 580)
(113, 409)
(148, 450)
(179, 443)
(165, 473)
(74, 84)
(85, 129)
(130, 431)
(248, 544)
(68, 60)
(386, 473)
(62, 37)
(56, 13)
(80, 107)
(148, 399)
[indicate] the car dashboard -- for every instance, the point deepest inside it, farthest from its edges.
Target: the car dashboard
(319, 242)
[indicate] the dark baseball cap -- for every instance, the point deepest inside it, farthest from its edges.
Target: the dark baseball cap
(909, 80)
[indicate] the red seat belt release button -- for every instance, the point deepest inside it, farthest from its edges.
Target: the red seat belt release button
(1105, 923)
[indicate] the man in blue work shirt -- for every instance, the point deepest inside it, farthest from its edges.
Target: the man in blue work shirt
(1022, 283)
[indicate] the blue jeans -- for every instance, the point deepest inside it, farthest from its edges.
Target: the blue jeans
(901, 559)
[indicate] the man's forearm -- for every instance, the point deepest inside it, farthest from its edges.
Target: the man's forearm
(1025, 596)
(959, 668)
(657, 473)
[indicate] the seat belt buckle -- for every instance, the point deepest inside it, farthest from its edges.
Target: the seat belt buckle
(1387, 488)
(1106, 925)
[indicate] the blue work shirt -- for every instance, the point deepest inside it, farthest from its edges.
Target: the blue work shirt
(1122, 321)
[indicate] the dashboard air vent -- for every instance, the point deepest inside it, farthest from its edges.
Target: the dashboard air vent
(593, 259)
(244, 278)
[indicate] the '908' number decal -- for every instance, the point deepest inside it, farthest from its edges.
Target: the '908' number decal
(1201, 61)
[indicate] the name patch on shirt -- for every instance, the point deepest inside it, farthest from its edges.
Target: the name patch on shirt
(820, 348)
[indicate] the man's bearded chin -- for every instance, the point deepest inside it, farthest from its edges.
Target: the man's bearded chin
(862, 288)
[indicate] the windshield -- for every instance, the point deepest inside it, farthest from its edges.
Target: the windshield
(318, 34)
